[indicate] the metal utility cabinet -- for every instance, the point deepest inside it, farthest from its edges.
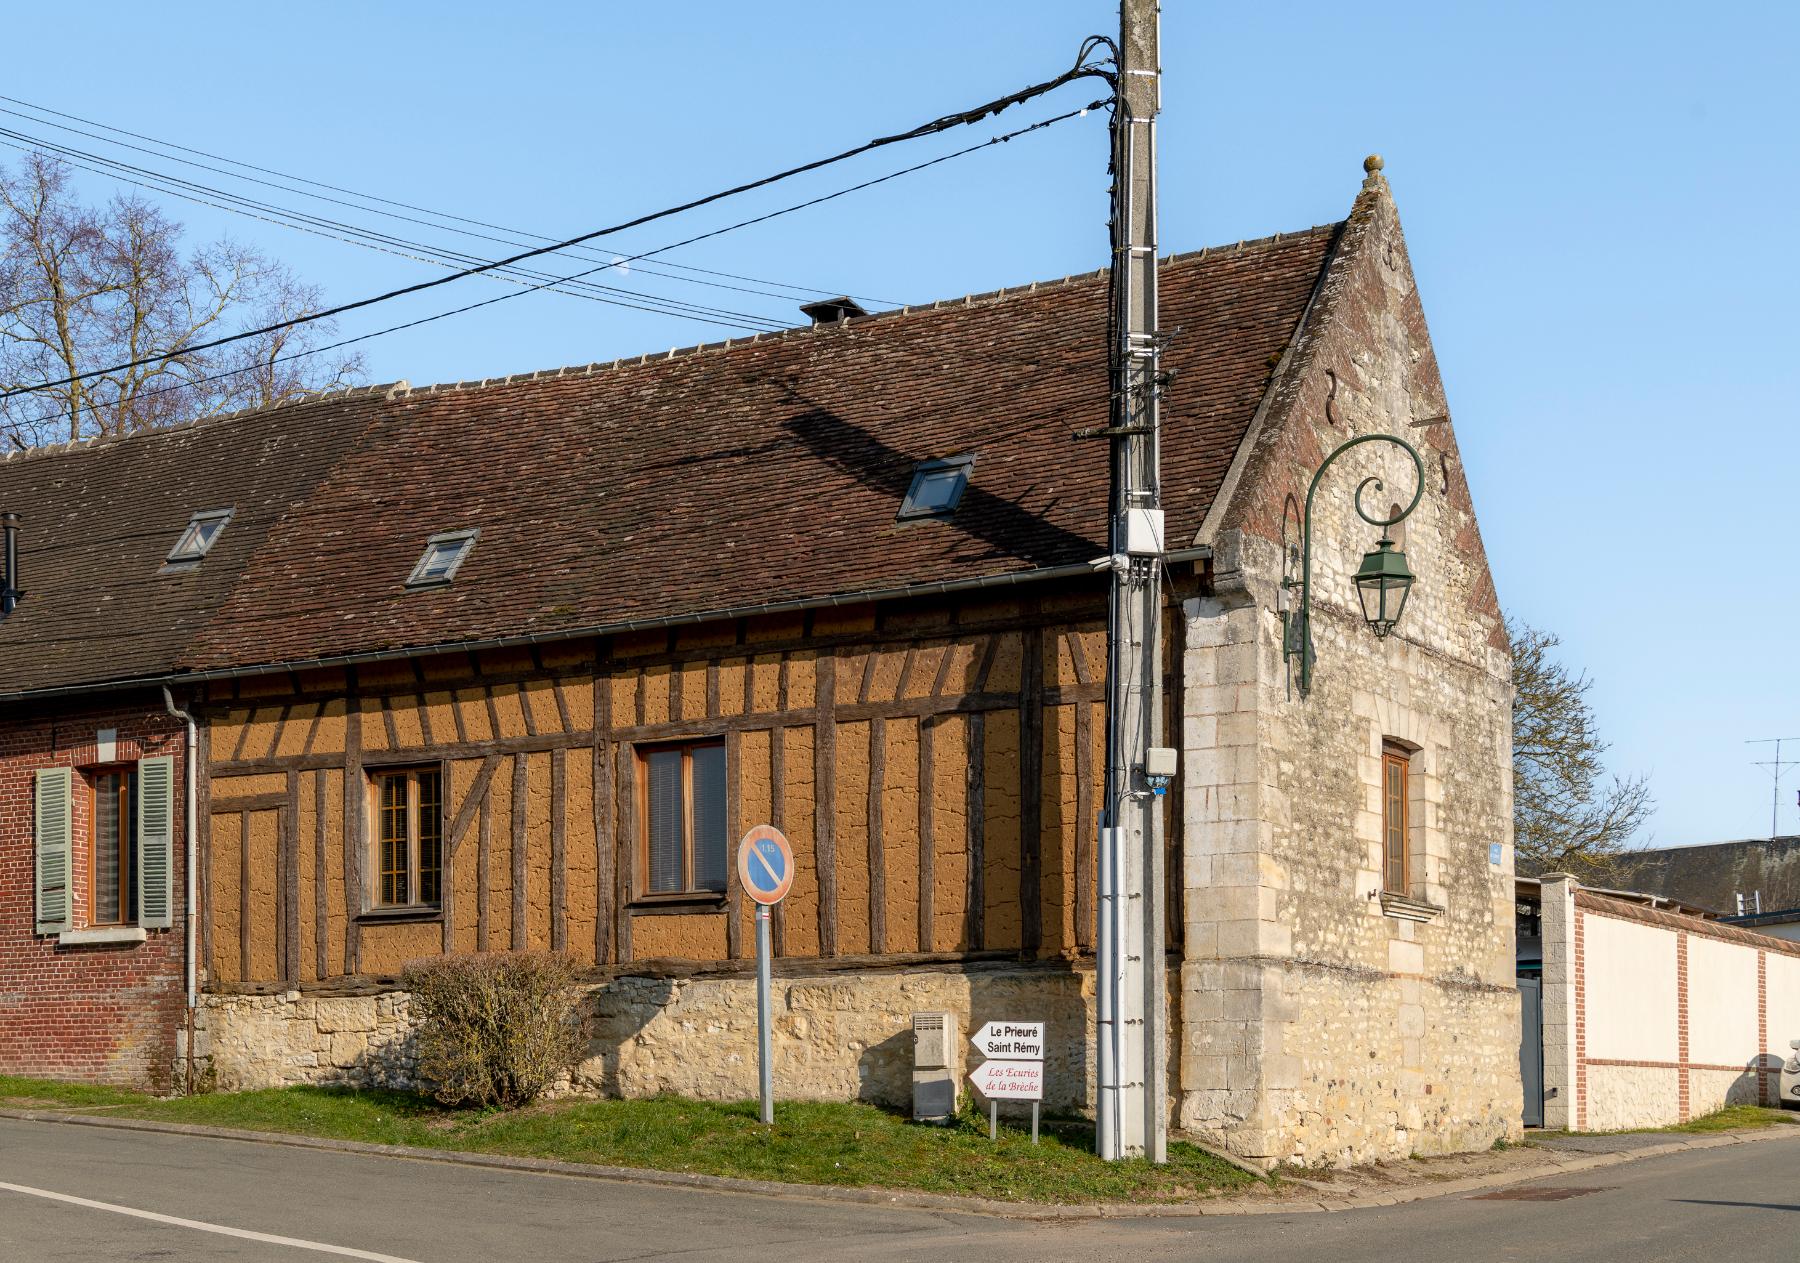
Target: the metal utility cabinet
(937, 1057)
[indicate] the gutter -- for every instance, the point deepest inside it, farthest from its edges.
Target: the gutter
(190, 972)
(1013, 578)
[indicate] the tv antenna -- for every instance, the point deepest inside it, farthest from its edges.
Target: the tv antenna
(1777, 769)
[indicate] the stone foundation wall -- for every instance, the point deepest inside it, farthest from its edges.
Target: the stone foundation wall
(1620, 1097)
(1710, 1090)
(1321, 1065)
(836, 1037)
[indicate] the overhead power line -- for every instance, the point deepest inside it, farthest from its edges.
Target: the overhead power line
(1081, 69)
(351, 234)
(386, 201)
(520, 293)
(74, 155)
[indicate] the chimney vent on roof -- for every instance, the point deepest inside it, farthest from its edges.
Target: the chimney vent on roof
(831, 310)
(9, 564)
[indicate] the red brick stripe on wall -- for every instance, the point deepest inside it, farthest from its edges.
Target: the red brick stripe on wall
(1764, 1094)
(1683, 1066)
(1681, 1016)
(1581, 1062)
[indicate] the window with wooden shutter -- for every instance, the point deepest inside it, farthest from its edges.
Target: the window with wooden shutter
(155, 842)
(684, 851)
(54, 822)
(1395, 764)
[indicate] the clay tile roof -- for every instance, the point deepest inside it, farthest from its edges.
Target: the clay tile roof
(762, 470)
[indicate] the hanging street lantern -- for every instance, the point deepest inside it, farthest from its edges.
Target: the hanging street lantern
(1382, 581)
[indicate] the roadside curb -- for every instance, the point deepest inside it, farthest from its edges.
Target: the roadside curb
(919, 1201)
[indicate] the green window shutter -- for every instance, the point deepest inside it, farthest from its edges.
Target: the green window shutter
(55, 797)
(155, 842)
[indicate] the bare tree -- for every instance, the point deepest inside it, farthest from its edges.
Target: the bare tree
(1566, 817)
(87, 287)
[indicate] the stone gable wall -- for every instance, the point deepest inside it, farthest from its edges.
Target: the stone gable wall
(1322, 1022)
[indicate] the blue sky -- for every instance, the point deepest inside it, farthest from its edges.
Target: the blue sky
(1597, 199)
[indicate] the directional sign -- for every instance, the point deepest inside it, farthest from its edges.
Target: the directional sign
(765, 864)
(1009, 1080)
(1022, 1041)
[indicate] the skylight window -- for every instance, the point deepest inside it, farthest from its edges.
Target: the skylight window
(937, 488)
(444, 555)
(198, 537)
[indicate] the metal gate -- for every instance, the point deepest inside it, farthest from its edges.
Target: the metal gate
(1531, 1048)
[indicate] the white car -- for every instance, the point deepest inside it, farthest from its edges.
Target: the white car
(1790, 1078)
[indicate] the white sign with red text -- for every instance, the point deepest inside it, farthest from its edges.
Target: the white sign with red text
(1009, 1080)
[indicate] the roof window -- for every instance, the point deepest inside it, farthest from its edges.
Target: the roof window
(937, 488)
(197, 538)
(444, 555)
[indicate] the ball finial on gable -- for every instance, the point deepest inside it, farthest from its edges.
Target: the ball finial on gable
(1373, 163)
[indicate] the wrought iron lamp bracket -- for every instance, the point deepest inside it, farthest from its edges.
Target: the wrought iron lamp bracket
(1297, 623)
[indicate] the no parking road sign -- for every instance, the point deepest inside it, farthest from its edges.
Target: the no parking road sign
(765, 864)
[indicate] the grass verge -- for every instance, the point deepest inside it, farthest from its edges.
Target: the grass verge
(1731, 1118)
(1736, 1117)
(810, 1142)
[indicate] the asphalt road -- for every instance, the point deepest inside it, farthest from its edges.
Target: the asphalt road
(289, 1205)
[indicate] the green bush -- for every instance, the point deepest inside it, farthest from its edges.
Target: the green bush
(494, 1029)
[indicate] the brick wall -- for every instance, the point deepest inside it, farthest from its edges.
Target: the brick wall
(1652, 1018)
(99, 1013)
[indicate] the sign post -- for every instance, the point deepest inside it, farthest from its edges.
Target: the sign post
(765, 864)
(1014, 1069)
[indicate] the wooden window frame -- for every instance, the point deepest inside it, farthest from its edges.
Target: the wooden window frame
(127, 773)
(1395, 756)
(687, 897)
(374, 904)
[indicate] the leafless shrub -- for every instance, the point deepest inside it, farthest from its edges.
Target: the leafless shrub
(494, 1029)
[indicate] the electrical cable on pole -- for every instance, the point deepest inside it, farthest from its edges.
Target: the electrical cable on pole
(1132, 1118)
(1081, 69)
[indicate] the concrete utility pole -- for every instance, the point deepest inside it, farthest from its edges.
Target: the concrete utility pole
(1133, 1058)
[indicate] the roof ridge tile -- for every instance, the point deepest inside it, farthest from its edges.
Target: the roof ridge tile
(403, 389)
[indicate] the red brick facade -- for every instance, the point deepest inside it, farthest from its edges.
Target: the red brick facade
(101, 1013)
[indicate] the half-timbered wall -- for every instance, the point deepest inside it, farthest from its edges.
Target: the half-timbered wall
(933, 769)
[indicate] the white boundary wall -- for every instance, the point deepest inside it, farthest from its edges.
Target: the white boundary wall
(1651, 1017)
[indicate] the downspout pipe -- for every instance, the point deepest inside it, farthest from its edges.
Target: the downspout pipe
(9, 563)
(190, 824)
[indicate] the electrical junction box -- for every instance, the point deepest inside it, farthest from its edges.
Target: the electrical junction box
(1159, 761)
(1141, 532)
(937, 1050)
